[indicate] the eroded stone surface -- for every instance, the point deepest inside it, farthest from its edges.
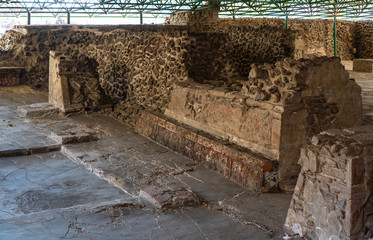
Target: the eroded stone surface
(74, 83)
(141, 176)
(171, 195)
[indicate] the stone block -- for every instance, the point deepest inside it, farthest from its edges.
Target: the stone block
(72, 135)
(170, 195)
(38, 110)
(363, 65)
(313, 161)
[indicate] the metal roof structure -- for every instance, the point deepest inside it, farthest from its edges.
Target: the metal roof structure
(343, 9)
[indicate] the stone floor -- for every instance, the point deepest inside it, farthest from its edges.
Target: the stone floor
(115, 185)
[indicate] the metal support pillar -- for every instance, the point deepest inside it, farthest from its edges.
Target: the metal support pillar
(141, 18)
(287, 22)
(28, 18)
(335, 34)
(68, 18)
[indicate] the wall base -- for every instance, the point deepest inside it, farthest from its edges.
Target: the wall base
(238, 164)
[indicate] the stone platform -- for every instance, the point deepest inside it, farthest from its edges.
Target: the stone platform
(274, 111)
(238, 164)
(186, 199)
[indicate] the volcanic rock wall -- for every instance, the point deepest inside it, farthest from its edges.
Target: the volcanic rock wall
(333, 198)
(10, 76)
(136, 64)
(311, 37)
(364, 39)
(226, 54)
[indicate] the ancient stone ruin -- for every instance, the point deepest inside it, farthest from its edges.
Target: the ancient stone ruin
(333, 195)
(262, 105)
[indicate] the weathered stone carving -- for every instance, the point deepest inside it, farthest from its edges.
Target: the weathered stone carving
(73, 83)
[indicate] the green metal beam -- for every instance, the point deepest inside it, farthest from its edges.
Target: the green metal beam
(343, 9)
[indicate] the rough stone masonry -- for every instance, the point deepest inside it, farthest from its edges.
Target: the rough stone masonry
(333, 198)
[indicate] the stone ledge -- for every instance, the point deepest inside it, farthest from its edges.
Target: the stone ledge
(238, 164)
(38, 110)
(29, 151)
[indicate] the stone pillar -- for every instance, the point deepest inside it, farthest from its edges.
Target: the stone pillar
(58, 82)
(333, 198)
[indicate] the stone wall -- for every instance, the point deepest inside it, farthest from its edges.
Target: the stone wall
(364, 39)
(226, 54)
(137, 64)
(275, 110)
(10, 76)
(333, 198)
(311, 37)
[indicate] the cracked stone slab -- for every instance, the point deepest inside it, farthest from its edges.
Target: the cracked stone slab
(49, 181)
(38, 110)
(126, 222)
(17, 142)
(120, 162)
(18, 138)
(267, 211)
(50, 197)
(141, 167)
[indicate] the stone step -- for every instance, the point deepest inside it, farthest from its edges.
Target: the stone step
(135, 172)
(37, 110)
(12, 152)
(241, 165)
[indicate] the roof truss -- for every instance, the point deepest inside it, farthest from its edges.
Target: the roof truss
(347, 9)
